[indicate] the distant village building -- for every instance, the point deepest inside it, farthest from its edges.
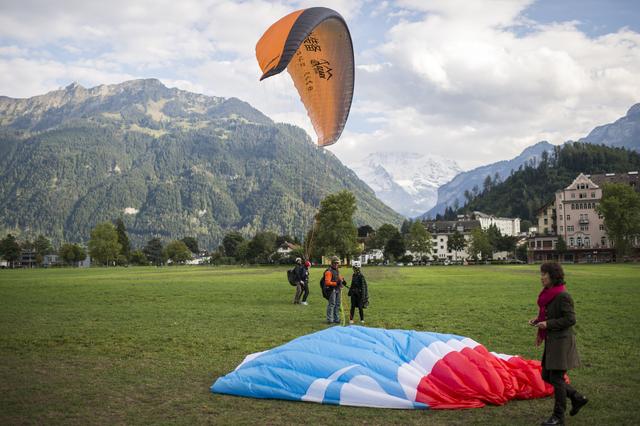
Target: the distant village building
(506, 225)
(547, 218)
(573, 216)
(371, 256)
(286, 248)
(50, 260)
(442, 230)
(27, 258)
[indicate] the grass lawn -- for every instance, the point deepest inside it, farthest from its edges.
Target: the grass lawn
(143, 345)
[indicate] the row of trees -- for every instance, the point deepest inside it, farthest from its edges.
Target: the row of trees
(109, 245)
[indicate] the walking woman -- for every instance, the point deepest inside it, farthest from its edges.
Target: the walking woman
(555, 321)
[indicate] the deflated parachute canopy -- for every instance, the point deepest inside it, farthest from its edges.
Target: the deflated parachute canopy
(374, 367)
(314, 45)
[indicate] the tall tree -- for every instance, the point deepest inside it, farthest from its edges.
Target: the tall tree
(230, 243)
(192, 244)
(561, 247)
(43, 247)
(480, 245)
(365, 230)
(494, 235)
(336, 233)
(103, 245)
(139, 258)
(10, 249)
(487, 184)
(72, 254)
(394, 248)
(456, 242)
(620, 206)
(178, 252)
(154, 251)
(262, 246)
(383, 234)
(419, 239)
(405, 227)
(123, 239)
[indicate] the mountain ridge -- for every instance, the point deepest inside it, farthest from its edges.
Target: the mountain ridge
(171, 163)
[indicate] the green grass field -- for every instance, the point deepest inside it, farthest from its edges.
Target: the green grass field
(143, 345)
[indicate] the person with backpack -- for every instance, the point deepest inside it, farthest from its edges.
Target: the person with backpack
(298, 277)
(333, 283)
(305, 282)
(359, 292)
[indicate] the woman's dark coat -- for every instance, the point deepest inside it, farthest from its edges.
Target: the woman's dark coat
(359, 290)
(560, 352)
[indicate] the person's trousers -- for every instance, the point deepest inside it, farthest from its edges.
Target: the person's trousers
(333, 307)
(305, 291)
(296, 299)
(356, 302)
(561, 390)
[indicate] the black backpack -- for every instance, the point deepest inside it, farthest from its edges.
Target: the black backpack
(323, 289)
(291, 276)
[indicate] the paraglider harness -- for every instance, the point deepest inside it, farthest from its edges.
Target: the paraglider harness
(323, 288)
(291, 276)
(294, 276)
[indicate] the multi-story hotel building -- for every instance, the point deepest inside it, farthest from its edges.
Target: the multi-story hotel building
(577, 220)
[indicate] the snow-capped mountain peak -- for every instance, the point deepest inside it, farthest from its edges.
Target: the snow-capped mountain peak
(408, 182)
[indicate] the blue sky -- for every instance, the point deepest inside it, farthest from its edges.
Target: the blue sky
(476, 81)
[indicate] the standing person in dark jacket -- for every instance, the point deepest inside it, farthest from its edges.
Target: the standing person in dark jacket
(298, 275)
(555, 321)
(359, 292)
(305, 284)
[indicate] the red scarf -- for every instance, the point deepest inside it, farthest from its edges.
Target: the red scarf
(544, 298)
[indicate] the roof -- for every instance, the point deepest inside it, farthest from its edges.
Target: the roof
(629, 178)
(449, 226)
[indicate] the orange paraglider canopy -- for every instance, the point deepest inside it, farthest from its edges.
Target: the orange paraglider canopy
(315, 46)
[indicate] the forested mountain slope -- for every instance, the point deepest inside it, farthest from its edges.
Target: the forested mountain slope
(169, 162)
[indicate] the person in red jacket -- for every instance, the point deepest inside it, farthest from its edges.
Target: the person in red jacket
(333, 282)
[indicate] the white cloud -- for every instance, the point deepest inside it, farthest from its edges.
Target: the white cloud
(474, 81)
(460, 68)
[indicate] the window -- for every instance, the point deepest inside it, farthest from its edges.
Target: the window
(568, 217)
(587, 242)
(593, 195)
(584, 227)
(560, 206)
(570, 228)
(545, 221)
(571, 241)
(579, 241)
(573, 195)
(561, 228)
(602, 227)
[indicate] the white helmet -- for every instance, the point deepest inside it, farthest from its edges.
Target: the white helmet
(356, 264)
